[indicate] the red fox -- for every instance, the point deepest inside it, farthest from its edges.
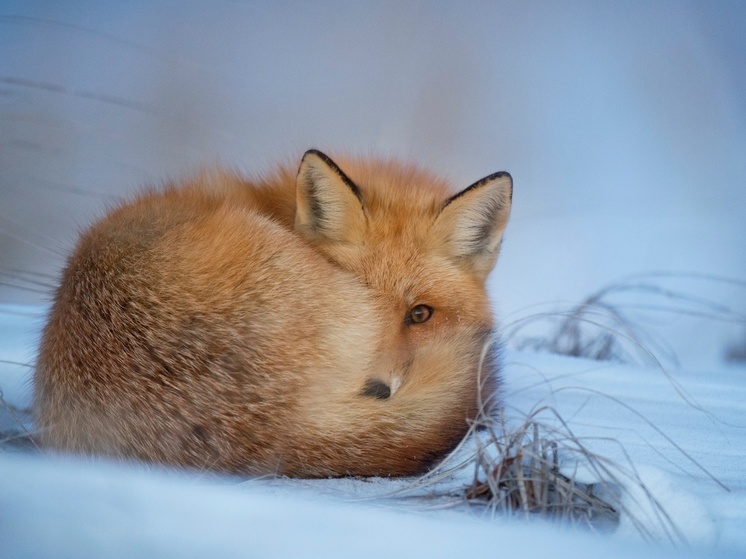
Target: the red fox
(327, 322)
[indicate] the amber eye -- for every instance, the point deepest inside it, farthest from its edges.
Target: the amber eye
(419, 314)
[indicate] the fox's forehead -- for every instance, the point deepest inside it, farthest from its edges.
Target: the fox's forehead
(401, 202)
(405, 273)
(392, 187)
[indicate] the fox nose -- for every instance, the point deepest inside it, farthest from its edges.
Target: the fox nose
(376, 388)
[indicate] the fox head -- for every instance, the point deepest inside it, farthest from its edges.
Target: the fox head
(425, 253)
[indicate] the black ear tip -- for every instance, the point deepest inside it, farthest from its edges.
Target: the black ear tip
(334, 167)
(508, 176)
(317, 153)
(480, 183)
(500, 175)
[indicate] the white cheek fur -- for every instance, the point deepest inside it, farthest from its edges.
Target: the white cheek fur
(395, 384)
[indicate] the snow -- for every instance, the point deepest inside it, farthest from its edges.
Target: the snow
(625, 131)
(681, 449)
(60, 509)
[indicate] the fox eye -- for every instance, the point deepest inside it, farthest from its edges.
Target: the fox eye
(419, 314)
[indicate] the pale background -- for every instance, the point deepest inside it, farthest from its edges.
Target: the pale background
(622, 123)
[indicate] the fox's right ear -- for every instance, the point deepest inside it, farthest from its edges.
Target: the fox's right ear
(329, 206)
(470, 225)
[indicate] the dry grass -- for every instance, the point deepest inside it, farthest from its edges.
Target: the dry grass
(528, 467)
(14, 433)
(518, 472)
(538, 469)
(610, 325)
(535, 470)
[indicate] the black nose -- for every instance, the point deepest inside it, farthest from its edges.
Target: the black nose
(376, 388)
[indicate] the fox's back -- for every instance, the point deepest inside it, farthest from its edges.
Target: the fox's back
(183, 319)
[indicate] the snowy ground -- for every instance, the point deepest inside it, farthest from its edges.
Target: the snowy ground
(683, 436)
(624, 129)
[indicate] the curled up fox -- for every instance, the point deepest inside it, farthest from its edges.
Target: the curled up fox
(325, 321)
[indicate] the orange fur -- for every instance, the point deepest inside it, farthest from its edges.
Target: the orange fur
(267, 327)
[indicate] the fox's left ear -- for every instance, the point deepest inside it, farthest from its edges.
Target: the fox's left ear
(470, 225)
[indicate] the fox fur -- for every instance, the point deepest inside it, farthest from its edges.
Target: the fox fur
(323, 322)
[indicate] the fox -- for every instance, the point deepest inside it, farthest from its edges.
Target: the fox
(312, 322)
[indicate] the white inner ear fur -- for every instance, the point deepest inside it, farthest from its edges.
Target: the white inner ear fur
(326, 207)
(472, 222)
